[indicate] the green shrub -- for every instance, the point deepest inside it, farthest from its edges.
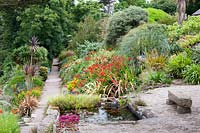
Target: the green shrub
(68, 102)
(15, 82)
(121, 22)
(144, 39)
(22, 55)
(37, 82)
(87, 47)
(192, 74)
(43, 72)
(168, 6)
(177, 64)
(196, 54)
(87, 30)
(8, 123)
(189, 27)
(154, 78)
(157, 15)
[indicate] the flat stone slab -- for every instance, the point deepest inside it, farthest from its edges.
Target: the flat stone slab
(180, 98)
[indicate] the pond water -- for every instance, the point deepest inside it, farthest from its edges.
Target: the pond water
(102, 115)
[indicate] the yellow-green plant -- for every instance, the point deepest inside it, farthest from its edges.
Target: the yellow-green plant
(9, 123)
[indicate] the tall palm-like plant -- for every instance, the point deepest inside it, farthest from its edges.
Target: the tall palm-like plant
(33, 46)
(30, 69)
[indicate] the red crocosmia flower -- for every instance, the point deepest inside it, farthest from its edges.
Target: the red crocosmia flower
(102, 73)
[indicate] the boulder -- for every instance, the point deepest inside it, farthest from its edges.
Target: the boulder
(180, 98)
(182, 101)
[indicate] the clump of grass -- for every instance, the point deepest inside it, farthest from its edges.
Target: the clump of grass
(80, 101)
(8, 123)
(140, 102)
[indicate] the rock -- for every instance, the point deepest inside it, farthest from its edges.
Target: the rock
(180, 98)
(48, 121)
(169, 102)
(183, 110)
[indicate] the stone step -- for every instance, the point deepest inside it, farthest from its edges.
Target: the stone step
(180, 98)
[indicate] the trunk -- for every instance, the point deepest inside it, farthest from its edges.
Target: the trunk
(181, 11)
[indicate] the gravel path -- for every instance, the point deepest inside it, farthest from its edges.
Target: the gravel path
(166, 119)
(51, 89)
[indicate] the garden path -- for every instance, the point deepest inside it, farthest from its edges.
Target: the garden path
(166, 119)
(51, 89)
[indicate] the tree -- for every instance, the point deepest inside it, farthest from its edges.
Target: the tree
(51, 23)
(181, 6)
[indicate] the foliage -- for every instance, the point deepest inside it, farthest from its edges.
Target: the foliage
(188, 40)
(155, 61)
(126, 3)
(192, 74)
(28, 104)
(177, 64)
(43, 72)
(22, 55)
(196, 54)
(37, 82)
(51, 23)
(87, 8)
(168, 6)
(150, 78)
(34, 92)
(87, 30)
(189, 27)
(110, 73)
(15, 82)
(9, 123)
(80, 101)
(121, 22)
(144, 39)
(87, 47)
(65, 54)
(159, 16)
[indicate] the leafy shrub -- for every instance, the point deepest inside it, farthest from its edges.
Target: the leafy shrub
(65, 54)
(157, 15)
(87, 47)
(177, 64)
(50, 22)
(43, 72)
(188, 40)
(37, 82)
(168, 6)
(22, 55)
(196, 54)
(9, 123)
(189, 27)
(68, 102)
(121, 22)
(192, 74)
(144, 39)
(111, 72)
(154, 78)
(16, 82)
(87, 30)
(34, 92)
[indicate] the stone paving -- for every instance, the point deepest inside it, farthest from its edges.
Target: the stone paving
(51, 89)
(166, 119)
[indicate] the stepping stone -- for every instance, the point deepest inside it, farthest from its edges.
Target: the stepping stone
(180, 99)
